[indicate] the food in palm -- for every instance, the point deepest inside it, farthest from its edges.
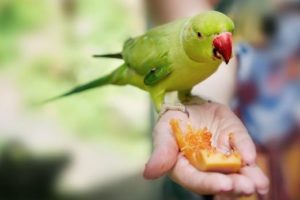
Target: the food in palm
(197, 148)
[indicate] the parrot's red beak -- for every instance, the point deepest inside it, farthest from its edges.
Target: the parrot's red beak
(223, 46)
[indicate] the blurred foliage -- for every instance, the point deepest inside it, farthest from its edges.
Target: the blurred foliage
(17, 17)
(46, 46)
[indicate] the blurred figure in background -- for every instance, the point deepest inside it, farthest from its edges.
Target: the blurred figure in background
(265, 93)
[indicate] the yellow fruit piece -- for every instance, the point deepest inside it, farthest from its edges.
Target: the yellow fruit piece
(196, 147)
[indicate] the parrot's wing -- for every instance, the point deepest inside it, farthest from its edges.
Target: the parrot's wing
(148, 55)
(156, 75)
(146, 52)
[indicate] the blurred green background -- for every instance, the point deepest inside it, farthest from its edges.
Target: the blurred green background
(46, 48)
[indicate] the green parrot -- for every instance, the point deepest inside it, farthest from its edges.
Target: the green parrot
(172, 57)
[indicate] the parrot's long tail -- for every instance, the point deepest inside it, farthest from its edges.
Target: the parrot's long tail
(116, 78)
(114, 55)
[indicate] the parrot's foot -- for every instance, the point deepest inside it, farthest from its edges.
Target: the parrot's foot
(177, 107)
(192, 100)
(195, 100)
(187, 98)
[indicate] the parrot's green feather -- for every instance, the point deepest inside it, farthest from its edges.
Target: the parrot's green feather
(112, 78)
(171, 57)
(112, 55)
(156, 75)
(148, 51)
(90, 85)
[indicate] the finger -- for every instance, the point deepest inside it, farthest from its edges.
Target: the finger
(165, 150)
(223, 142)
(199, 182)
(239, 140)
(242, 142)
(259, 179)
(242, 185)
(232, 126)
(164, 154)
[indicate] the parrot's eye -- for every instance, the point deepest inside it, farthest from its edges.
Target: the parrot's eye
(199, 35)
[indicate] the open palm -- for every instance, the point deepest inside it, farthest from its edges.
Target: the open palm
(221, 121)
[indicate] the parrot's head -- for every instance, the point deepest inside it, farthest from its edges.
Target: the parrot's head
(207, 37)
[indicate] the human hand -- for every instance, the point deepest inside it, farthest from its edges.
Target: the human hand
(221, 121)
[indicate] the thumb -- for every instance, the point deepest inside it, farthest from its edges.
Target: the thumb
(164, 154)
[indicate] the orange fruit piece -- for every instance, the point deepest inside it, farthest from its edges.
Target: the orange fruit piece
(196, 147)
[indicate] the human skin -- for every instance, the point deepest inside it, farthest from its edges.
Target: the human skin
(166, 158)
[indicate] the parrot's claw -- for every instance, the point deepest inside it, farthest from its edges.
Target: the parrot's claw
(177, 107)
(195, 100)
